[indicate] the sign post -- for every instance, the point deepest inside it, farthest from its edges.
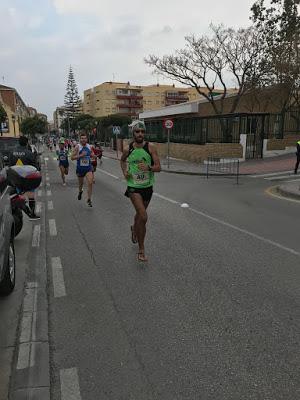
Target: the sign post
(168, 124)
(117, 131)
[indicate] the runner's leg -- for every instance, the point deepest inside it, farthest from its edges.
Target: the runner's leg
(140, 223)
(146, 204)
(89, 179)
(62, 172)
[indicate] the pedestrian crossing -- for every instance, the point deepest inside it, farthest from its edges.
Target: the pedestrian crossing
(280, 176)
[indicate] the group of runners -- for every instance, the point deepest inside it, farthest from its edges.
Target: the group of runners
(139, 162)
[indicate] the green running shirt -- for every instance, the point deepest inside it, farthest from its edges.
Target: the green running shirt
(139, 179)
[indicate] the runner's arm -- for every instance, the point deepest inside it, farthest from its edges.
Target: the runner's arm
(123, 162)
(75, 154)
(156, 162)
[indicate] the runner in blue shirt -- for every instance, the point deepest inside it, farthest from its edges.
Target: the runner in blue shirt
(83, 153)
(63, 161)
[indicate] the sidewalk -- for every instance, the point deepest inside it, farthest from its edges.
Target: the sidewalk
(249, 167)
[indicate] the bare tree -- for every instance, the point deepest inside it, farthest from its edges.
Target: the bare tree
(208, 62)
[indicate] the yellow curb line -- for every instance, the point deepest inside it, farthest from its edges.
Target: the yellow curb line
(270, 192)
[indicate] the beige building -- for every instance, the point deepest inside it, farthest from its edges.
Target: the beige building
(122, 98)
(15, 108)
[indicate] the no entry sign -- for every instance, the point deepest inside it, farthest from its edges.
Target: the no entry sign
(168, 124)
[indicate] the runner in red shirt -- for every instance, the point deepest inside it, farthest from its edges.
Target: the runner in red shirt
(97, 155)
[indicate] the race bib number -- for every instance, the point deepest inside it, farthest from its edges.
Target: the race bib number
(141, 178)
(84, 162)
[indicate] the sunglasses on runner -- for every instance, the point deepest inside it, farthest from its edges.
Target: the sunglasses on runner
(139, 131)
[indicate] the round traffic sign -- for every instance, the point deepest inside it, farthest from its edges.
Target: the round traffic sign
(168, 123)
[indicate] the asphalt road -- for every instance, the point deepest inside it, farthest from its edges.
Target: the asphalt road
(213, 315)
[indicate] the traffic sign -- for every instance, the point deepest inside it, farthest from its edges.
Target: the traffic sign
(168, 123)
(116, 130)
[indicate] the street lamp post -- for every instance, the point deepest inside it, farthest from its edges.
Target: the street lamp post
(13, 117)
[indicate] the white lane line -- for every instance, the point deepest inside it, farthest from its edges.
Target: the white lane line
(50, 205)
(58, 277)
(234, 227)
(36, 236)
(69, 384)
(39, 193)
(292, 180)
(38, 208)
(107, 173)
(47, 178)
(166, 198)
(48, 184)
(26, 327)
(270, 174)
(278, 178)
(49, 193)
(52, 227)
(23, 356)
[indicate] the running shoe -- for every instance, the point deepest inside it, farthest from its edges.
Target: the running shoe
(34, 217)
(89, 203)
(79, 195)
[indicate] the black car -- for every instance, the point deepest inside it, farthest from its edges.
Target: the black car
(7, 145)
(7, 251)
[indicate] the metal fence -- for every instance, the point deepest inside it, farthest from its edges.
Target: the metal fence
(223, 167)
(226, 128)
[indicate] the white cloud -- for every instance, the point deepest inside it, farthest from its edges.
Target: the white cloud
(99, 38)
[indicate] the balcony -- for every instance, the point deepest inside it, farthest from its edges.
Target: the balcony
(122, 105)
(129, 97)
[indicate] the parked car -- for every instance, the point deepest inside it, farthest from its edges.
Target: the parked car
(7, 251)
(37, 156)
(7, 145)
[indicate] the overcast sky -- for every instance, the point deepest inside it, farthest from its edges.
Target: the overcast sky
(101, 39)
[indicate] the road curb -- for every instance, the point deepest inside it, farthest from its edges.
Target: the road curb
(285, 192)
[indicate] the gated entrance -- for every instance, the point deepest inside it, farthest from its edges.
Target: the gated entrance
(255, 136)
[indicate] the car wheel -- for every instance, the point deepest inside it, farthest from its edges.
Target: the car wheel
(8, 283)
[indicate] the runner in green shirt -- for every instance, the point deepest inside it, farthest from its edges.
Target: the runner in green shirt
(139, 161)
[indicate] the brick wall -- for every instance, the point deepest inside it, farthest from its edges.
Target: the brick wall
(281, 144)
(199, 153)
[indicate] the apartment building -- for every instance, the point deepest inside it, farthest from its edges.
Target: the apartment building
(124, 98)
(15, 108)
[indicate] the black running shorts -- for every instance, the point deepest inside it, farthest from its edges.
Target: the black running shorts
(146, 193)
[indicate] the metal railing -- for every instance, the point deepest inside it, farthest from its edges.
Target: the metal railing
(216, 166)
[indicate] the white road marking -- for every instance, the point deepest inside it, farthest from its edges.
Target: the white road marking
(49, 193)
(270, 174)
(36, 236)
(23, 356)
(234, 227)
(38, 208)
(166, 198)
(46, 158)
(50, 205)
(48, 184)
(278, 178)
(26, 355)
(69, 384)
(47, 178)
(52, 227)
(58, 277)
(39, 193)
(107, 173)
